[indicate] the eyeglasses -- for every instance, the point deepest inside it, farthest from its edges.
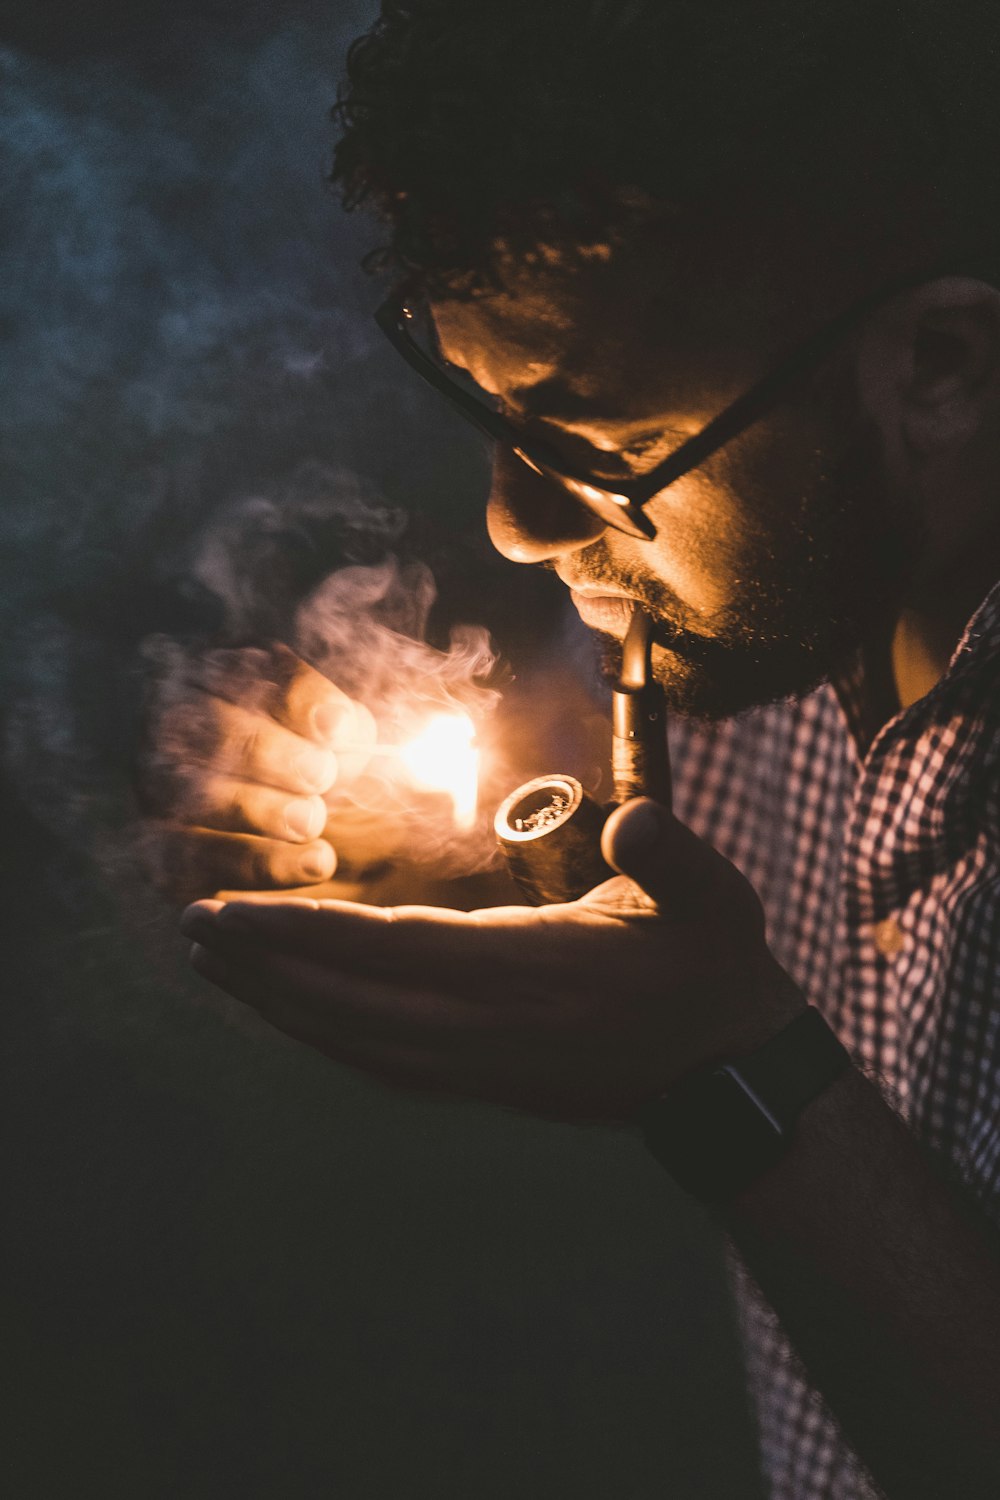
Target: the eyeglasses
(410, 330)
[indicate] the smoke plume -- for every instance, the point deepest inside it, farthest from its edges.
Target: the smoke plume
(365, 625)
(199, 421)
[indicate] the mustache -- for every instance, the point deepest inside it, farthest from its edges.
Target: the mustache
(665, 610)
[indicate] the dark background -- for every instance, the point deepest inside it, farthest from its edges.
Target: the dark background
(231, 1269)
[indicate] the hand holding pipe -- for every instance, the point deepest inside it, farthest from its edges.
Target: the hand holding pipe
(549, 829)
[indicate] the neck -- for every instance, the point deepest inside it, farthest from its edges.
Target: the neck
(921, 648)
(913, 654)
(959, 567)
(929, 629)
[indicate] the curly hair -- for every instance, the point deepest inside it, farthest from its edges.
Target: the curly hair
(485, 130)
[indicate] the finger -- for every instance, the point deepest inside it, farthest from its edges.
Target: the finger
(368, 888)
(449, 950)
(231, 805)
(276, 682)
(643, 840)
(335, 890)
(513, 959)
(331, 1008)
(239, 742)
(312, 706)
(353, 739)
(418, 1040)
(397, 1063)
(188, 863)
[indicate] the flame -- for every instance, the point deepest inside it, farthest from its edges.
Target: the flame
(443, 758)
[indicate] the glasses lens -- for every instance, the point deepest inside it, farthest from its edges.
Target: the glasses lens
(614, 510)
(420, 331)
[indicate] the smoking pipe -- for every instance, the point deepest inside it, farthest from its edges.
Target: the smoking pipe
(550, 829)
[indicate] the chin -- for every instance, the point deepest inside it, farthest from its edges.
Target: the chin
(707, 680)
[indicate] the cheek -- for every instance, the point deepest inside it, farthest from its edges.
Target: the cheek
(749, 520)
(704, 543)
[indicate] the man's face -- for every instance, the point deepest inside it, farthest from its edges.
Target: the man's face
(775, 558)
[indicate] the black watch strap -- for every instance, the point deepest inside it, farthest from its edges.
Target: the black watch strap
(719, 1128)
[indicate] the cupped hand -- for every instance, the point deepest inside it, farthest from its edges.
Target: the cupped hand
(241, 745)
(578, 1012)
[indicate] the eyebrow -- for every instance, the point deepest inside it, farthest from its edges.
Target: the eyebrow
(552, 399)
(555, 401)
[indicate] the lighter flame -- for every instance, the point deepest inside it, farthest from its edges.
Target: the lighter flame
(443, 758)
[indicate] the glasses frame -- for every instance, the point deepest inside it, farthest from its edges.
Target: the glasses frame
(622, 506)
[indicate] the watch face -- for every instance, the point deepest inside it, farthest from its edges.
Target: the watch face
(712, 1134)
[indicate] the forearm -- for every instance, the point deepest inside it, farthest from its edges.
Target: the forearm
(889, 1290)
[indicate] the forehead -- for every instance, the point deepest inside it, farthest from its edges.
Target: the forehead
(643, 328)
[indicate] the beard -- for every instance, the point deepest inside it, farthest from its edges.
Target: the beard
(818, 586)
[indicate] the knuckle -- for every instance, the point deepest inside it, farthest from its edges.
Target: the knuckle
(176, 742)
(262, 864)
(203, 800)
(229, 806)
(247, 748)
(284, 675)
(244, 862)
(234, 674)
(184, 726)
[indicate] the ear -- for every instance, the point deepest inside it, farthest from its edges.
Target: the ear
(929, 365)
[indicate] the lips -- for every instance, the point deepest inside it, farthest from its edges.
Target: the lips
(603, 609)
(610, 612)
(601, 606)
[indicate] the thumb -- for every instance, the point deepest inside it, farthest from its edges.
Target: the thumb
(644, 841)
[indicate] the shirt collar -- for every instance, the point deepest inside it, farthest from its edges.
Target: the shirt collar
(977, 655)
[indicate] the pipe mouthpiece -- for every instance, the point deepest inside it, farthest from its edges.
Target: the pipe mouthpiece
(637, 652)
(640, 761)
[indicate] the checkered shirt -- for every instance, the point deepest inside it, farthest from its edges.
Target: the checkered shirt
(878, 865)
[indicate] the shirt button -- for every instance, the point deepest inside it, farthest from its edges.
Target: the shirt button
(888, 937)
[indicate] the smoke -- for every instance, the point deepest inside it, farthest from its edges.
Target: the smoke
(365, 626)
(200, 432)
(157, 298)
(199, 421)
(366, 629)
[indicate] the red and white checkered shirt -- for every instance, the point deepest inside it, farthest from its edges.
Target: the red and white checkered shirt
(879, 871)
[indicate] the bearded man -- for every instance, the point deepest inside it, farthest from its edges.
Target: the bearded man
(723, 281)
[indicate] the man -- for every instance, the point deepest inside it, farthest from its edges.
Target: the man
(729, 276)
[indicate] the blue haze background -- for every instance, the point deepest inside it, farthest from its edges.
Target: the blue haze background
(230, 1269)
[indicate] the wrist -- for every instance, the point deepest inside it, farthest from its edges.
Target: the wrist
(723, 1127)
(769, 999)
(816, 1149)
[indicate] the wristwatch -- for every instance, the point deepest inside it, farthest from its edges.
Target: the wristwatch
(718, 1129)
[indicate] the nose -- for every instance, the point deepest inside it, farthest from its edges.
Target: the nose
(531, 519)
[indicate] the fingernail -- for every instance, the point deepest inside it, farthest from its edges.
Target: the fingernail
(326, 719)
(305, 819)
(195, 922)
(199, 959)
(318, 864)
(316, 769)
